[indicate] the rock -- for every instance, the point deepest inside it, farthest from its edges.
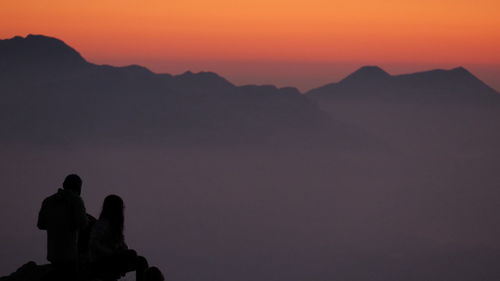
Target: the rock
(28, 272)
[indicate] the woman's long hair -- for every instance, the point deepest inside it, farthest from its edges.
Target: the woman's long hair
(112, 212)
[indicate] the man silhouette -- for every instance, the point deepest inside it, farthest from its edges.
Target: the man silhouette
(63, 216)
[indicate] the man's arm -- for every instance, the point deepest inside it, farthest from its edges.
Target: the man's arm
(80, 214)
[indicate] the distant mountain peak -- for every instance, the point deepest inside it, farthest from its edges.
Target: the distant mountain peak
(201, 74)
(372, 68)
(440, 84)
(38, 51)
(453, 71)
(461, 70)
(458, 76)
(42, 37)
(367, 73)
(38, 41)
(203, 79)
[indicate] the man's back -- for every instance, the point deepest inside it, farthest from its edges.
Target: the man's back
(62, 215)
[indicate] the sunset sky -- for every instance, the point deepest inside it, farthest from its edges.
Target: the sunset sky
(296, 43)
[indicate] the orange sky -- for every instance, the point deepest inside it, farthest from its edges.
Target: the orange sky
(155, 32)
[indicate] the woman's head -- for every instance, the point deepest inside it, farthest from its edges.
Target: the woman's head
(112, 212)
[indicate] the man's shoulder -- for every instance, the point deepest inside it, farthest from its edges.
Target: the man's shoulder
(52, 197)
(63, 195)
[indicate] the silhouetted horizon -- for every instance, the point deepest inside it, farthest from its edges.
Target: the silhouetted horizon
(34, 37)
(133, 103)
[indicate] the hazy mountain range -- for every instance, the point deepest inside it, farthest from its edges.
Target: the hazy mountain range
(50, 93)
(373, 83)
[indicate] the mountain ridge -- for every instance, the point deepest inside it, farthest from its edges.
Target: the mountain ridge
(39, 49)
(64, 57)
(51, 93)
(373, 81)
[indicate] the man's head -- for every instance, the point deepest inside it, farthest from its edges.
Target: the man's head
(74, 183)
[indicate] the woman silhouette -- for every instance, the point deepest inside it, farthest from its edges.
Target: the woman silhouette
(110, 256)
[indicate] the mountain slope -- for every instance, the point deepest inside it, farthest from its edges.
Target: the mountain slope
(455, 85)
(51, 93)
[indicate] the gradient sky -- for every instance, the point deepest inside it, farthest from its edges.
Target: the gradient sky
(297, 43)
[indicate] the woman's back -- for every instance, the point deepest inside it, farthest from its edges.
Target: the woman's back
(104, 242)
(109, 254)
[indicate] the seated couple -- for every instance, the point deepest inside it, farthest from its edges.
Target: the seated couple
(80, 247)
